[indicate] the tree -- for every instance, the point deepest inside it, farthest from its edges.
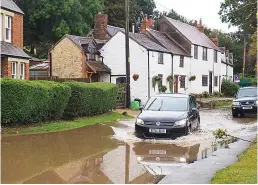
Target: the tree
(146, 6)
(174, 15)
(253, 45)
(240, 13)
(46, 21)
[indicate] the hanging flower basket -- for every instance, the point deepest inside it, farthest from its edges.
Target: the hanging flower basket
(156, 80)
(135, 77)
(192, 78)
(169, 78)
(162, 89)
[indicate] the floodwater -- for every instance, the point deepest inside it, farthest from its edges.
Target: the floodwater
(110, 153)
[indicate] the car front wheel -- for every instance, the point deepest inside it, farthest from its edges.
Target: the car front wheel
(187, 130)
(234, 114)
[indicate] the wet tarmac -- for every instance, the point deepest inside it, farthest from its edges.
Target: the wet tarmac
(110, 153)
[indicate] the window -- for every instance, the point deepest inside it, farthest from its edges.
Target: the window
(7, 28)
(195, 52)
(181, 64)
(160, 58)
(215, 56)
(91, 55)
(14, 69)
(182, 81)
(22, 66)
(216, 81)
(204, 54)
(204, 80)
(192, 102)
(121, 80)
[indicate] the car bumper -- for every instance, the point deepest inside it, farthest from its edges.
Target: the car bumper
(241, 109)
(171, 132)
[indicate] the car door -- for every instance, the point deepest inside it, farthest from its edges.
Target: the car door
(193, 112)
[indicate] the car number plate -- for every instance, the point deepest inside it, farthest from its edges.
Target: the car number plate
(162, 131)
(247, 107)
(162, 152)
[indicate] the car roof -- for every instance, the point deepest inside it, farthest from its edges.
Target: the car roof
(176, 95)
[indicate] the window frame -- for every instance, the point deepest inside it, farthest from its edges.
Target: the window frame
(215, 58)
(160, 58)
(204, 76)
(216, 81)
(8, 28)
(205, 57)
(182, 85)
(181, 61)
(14, 70)
(195, 52)
(22, 71)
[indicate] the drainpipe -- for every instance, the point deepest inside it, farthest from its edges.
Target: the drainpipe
(148, 74)
(172, 70)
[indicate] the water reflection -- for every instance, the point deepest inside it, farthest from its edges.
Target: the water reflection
(89, 156)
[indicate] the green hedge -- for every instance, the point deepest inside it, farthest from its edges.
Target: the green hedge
(229, 88)
(32, 101)
(88, 99)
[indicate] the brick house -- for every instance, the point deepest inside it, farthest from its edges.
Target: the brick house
(14, 61)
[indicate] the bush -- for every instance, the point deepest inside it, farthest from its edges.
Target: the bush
(228, 88)
(88, 99)
(217, 94)
(205, 94)
(32, 101)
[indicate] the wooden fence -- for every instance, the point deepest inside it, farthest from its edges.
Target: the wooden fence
(57, 79)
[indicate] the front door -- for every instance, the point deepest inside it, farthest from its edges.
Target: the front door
(176, 84)
(210, 82)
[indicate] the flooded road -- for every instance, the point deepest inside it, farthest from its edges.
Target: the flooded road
(110, 153)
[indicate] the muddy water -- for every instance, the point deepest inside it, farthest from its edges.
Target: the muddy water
(109, 153)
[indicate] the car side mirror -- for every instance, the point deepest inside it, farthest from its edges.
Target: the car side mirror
(141, 108)
(194, 109)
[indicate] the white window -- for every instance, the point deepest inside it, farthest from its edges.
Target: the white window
(8, 28)
(14, 69)
(160, 58)
(22, 70)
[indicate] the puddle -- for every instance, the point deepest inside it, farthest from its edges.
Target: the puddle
(108, 153)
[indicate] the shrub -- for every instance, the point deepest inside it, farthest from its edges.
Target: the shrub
(228, 88)
(32, 101)
(59, 95)
(217, 94)
(88, 99)
(205, 94)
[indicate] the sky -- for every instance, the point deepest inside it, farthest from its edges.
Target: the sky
(207, 10)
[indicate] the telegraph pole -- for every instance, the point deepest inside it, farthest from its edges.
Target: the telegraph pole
(244, 59)
(127, 55)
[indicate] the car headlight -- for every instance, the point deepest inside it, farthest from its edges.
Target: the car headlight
(181, 122)
(235, 103)
(139, 121)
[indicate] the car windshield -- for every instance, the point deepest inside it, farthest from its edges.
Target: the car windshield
(249, 92)
(166, 104)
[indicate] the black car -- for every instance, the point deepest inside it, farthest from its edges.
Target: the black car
(167, 116)
(245, 102)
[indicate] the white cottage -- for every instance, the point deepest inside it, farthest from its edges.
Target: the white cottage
(227, 66)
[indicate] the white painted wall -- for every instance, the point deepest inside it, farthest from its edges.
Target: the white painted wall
(200, 67)
(104, 77)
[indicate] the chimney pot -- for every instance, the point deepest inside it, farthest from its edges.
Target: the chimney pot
(200, 22)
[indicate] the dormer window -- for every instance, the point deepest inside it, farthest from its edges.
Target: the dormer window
(8, 26)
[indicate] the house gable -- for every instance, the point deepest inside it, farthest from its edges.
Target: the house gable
(67, 59)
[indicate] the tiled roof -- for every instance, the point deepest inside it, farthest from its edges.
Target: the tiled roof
(222, 49)
(40, 66)
(10, 5)
(147, 43)
(36, 59)
(168, 43)
(98, 66)
(112, 30)
(78, 40)
(193, 34)
(11, 50)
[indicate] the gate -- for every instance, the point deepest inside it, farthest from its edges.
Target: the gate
(120, 103)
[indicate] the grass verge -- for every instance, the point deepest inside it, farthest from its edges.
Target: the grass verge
(244, 171)
(221, 104)
(63, 125)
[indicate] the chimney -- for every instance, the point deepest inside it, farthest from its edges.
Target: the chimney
(144, 25)
(100, 24)
(214, 38)
(200, 26)
(195, 23)
(150, 21)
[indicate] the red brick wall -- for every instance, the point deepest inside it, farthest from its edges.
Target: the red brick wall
(27, 71)
(17, 30)
(6, 69)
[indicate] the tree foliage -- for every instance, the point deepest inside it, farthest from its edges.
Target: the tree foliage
(240, 13)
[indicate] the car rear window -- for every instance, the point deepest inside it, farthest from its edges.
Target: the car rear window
(249, 92)
(166, 104)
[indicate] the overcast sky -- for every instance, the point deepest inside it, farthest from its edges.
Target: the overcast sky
(196, 9)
